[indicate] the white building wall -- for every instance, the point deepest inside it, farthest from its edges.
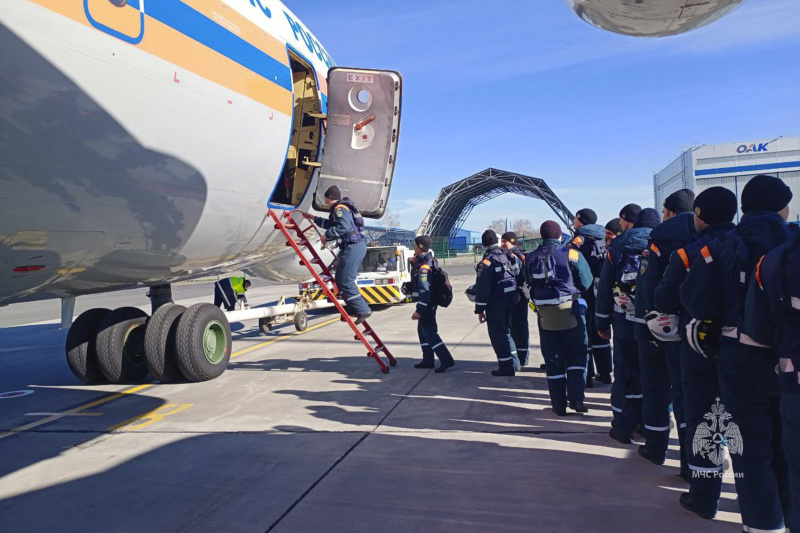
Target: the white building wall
(732, 165)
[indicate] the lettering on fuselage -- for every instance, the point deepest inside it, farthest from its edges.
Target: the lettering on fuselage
(257, 3)
(312, 44)
(746, 149)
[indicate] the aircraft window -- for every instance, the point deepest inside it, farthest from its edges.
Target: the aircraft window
(360, 98)
(364, 96)
(119, 3)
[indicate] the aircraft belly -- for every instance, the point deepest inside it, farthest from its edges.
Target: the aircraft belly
(133, 170)
(651, 19)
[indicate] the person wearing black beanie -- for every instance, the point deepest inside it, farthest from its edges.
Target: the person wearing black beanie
(584, 217)
(627, 216)
(550, 230)
(697, 388)
(766, 193)
(510, 237)
(613, 229)
(423, 267)
(333, 193)
(647, 218)
(520, 331)
(489, 238)
(714, 295)
(677, 203)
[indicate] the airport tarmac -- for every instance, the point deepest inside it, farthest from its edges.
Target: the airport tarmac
(304, 434)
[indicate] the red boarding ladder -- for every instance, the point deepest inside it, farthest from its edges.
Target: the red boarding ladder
(322, 278)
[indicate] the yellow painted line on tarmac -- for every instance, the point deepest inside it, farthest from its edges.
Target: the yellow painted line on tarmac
(283, 338)
(78, 409)
(139, 388)
(151, 417)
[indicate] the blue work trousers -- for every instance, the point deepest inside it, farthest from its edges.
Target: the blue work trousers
(700, 387)
(751, 395)
(676, 396)
(790, 412)
(599, 348)
(350, 259)
(429, 339)
(626, 392)
(655, 400)
(565, 353)
(498, 321)
(520, 331)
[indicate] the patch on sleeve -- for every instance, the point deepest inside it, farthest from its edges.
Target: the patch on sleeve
(339, 212)
(486, 262)
(574, 255)
(706, 253)
(578, 241)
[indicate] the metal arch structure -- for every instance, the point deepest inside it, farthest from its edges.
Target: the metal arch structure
(455, 202)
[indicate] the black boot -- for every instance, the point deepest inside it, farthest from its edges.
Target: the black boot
(650, 457)
(560, 411)
(619, 436)
(444, 366)
(686, 503)
(500, 372)
(362, 317)
(424, 364)
(603, 378)
(578, 407)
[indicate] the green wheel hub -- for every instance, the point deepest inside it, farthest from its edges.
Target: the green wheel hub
(214, 342)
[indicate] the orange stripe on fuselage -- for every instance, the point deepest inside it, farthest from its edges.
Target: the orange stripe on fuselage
(184, 52)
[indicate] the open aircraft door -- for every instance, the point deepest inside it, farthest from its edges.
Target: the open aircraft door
(362, 134)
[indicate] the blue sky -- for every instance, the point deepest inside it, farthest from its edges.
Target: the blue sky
(528, 87)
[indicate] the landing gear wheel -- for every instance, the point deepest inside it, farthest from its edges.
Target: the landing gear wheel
(159, 343)
(82, 348)
(300, 321)
(120, 345)
(264, 325)
(203, 342)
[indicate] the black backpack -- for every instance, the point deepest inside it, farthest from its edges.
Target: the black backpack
(440, 287)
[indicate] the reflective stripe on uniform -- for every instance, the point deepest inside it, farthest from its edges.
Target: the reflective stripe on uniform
(706, 253)
(702, 469)
(506, 359)
(748, 529)
(634, 396)
(441, 343)
(653, 428)
(509, 289)
(422, 303)
(581, 368)
(424, 344)
(616, 409)
(600, 315)
(795, 302)
(597, 346)
(683, 425)
(480, 303)
(685, 258)
(561, 376)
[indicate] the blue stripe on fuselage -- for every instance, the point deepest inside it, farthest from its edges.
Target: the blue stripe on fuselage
(197, 26)
(748, 168)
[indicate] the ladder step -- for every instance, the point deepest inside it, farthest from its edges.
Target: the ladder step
(367, 331)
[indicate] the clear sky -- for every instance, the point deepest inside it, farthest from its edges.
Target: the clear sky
(528, 87)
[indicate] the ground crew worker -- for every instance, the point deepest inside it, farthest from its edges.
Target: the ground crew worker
(772, 316)
(558, 276)
(613, 292)
(495, 296)
(425, 313)
(519, 313)
(590, 241)
(715, 291)
(714, 210)
(345, 226)
(229, 290)
(659, 357)
(613, 229)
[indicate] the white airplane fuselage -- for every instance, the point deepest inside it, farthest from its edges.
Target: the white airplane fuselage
(141, 144)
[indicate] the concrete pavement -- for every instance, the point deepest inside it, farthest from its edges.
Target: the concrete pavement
(304, 434)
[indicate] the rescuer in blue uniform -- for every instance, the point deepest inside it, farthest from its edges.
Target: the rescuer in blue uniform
(495, 296)
(558, 275)
(520, 331)
(345, 226)
(613, 292)
(715, 291)
(613, 230)
(714, 210)
(772, 316)
(659, 357)
(425, 313)
(590, 241)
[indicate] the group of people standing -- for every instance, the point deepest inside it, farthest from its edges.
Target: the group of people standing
(704, 317)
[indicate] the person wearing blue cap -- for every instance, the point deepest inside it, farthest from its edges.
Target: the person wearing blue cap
(747, 416)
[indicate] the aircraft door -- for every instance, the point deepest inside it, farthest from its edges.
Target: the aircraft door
(124, 19)
(362, 134)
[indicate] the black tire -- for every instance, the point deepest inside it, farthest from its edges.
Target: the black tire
(200, 326)
(264, 325)
(159, 343)
(82, 348)
(120, 345)
(300, 321)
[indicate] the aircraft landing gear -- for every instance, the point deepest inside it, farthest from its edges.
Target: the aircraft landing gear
(176, 343)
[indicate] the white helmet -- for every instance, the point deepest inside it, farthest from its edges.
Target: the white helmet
(664, 327)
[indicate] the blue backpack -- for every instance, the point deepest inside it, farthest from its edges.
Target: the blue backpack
(550, 276)
(625, 282)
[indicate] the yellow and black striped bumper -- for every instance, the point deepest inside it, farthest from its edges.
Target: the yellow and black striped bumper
(374, 295)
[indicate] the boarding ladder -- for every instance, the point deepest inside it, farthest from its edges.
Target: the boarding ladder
(285, 222)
